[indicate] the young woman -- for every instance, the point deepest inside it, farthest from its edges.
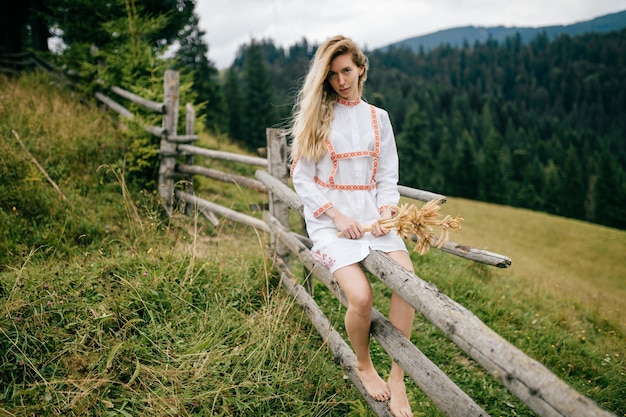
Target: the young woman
(345, 169)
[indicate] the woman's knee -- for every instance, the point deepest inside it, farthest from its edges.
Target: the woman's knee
(356, 287)
(361, 301)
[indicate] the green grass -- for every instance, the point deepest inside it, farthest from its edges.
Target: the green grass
(570, 260)
(154, 333)
(110, 308)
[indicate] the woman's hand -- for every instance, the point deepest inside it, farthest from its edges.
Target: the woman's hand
(349, 227)
(377, 228)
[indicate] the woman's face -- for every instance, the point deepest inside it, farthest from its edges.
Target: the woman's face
(344, 77)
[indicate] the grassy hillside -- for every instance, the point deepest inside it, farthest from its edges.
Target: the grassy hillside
(569, 260)
(110, 308)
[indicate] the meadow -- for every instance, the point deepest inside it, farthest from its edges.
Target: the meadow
(109, 307)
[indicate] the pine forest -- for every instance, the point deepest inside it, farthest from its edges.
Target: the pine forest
(539, 125)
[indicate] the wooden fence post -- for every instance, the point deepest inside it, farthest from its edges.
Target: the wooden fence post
(277, 156)
(167, 148)
(190, 120)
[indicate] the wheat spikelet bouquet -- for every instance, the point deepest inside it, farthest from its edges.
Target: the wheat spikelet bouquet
(413, 223)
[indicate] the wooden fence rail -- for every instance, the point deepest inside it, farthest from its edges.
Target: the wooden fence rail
(447, 396)
(18, 62)
(526, 378)
(289, 196)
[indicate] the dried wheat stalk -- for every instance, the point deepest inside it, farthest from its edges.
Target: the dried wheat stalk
(413, 223)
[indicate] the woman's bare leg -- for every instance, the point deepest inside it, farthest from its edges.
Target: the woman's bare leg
(358, 318)
(401, 316)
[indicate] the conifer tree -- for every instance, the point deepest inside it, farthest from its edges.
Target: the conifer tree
(466, 174)
(492, 183)
(416, 159)
(520, 114)
(257, 114)
(445, 164)
(610, 192)
(572, 192)
(193, 56)
(232, 101)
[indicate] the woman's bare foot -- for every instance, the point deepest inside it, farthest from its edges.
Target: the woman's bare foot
(375, 386)
(399, 403)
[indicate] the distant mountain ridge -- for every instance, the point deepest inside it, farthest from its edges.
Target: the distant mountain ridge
(456, 37)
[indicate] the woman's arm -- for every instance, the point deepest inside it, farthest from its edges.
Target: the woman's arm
(303, 176)
(387, 194)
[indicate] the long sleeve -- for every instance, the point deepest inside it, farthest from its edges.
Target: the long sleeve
(303, 176)
(387, 174)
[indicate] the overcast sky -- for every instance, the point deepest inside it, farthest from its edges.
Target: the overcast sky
(374, 23)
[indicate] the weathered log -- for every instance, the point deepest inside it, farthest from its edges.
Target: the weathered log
(292, 199)
(276, 167)
(15, 55)
(223, 211)
(227, 156)
(182, 138)
(148, 104)
(446, 395)
(223, 176)
(46, 65)
(26, 62)
(209, 215)
(340, 349)
(167, 149)
(190, 123)
(526, 378)
(115, 106)
(124, 112)
(281, 191)
(421, 195)
(477, 255)
(155, 130)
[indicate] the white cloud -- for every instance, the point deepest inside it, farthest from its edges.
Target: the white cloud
(373, 23)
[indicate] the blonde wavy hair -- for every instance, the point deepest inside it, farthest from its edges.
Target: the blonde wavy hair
(313, 111)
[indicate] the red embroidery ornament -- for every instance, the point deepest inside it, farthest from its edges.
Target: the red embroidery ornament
(335, 157)
(322, 209)
(325, 260)
(349, 103)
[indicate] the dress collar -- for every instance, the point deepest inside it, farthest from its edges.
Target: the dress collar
(349, 103)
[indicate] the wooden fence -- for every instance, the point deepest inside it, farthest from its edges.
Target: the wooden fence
(13, 64)
(525, 377)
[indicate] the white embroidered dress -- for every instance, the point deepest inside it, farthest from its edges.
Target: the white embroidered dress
(358, 176)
